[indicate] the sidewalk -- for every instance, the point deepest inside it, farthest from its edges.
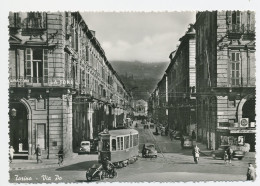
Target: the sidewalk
(19, 164)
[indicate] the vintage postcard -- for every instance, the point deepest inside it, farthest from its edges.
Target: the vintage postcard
(166, 96)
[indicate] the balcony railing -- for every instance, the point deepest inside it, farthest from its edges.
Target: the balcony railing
(31, 20)
(237, 28)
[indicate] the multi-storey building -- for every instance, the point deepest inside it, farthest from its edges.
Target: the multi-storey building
(62, 88)
(181, 85)
(162, 101)
(225, 66)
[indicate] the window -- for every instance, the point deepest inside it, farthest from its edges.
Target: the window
(235, 17)
(120, 143)
(36, 64)
(131, 140)
(126, 138)
(87, 54)
(106, 145)
(113, 144)
(135, 140)
(235, 68)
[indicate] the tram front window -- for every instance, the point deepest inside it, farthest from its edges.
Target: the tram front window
(113, 144)
(106, 145)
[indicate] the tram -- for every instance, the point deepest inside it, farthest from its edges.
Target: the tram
(119, 146)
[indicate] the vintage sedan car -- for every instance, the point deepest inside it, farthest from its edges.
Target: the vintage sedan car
(219, 153)
(177, 135)
(187, 142)
(84, 147)
(149, 151)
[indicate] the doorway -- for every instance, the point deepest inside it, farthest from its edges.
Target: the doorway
(19, 130)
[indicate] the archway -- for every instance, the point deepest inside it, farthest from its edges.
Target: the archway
(248, 111)
(19, 137)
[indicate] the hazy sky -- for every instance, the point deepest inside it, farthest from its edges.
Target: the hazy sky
(147, 37)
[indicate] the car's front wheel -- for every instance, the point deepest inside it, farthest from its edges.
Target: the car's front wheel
(240, 158)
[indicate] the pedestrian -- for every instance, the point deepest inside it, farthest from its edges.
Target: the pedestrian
(182, 141)
(156, 130)
(250, 172)
(193, 135)
(195, 153)
(225, 157)
(60, 156)
(11, 153)
(38, 153)
(230, 154)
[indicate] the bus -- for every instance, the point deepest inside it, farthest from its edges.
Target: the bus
(119, 146)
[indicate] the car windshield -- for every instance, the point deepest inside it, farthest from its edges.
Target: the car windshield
(85, 144)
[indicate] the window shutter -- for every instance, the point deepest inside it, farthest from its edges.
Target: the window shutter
(238, 17)
(45, 66)
(228, 14)
(28, 64)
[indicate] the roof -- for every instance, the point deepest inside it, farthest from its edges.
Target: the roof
(122, 132)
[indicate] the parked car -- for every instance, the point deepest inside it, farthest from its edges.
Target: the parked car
(84, 147)
(149, 150)
(177, 135)
(187, 142)
(219, 153)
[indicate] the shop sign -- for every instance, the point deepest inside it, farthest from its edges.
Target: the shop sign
(242, 131)
(19, 80)
(61, 82)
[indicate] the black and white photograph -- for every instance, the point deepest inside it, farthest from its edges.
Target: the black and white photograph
(130, 96)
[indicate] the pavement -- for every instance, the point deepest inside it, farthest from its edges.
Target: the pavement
(22, 164)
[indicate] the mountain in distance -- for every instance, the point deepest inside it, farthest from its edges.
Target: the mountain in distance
(143, 76)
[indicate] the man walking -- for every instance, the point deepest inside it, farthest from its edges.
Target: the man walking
(11, 153)
(250, 172)
(230, 154)
(38, 153)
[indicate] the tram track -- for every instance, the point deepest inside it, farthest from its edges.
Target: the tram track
(146, 136)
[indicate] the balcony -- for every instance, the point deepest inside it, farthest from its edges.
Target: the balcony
(31, 23)
(241, 29)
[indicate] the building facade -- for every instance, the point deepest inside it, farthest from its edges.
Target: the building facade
(225, 66)
(62, 88)
(181, 75)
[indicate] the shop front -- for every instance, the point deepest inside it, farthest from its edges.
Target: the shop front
(243, 139)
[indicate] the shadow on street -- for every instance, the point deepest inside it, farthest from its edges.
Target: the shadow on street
(81, 166)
